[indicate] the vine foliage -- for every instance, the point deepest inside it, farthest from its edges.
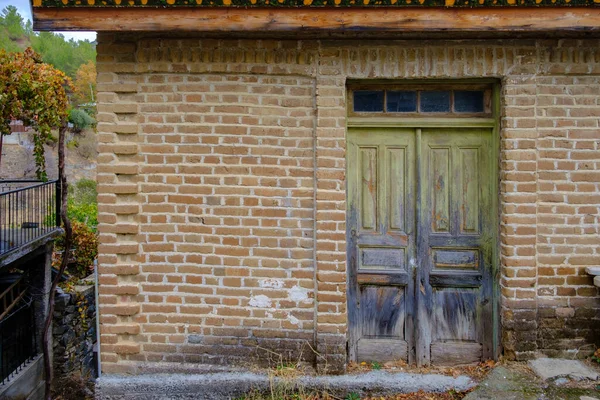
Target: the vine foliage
(35, 93)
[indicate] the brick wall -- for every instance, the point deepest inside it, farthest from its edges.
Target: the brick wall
(568, 212)
(222, 193)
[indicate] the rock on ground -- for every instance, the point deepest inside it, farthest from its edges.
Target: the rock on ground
(506, 384)
(518, 383)
(552, 368)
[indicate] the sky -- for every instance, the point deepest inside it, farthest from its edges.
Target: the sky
(25, 10)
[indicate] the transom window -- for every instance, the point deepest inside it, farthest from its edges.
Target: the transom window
(425, 101)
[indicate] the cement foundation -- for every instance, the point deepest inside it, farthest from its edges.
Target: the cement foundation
(226, 385)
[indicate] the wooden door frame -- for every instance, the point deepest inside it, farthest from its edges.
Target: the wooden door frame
(492, 123)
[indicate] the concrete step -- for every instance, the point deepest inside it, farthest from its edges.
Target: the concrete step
(228, 385)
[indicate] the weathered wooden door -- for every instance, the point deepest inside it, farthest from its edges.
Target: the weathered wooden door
(421, 231)
(381, 222)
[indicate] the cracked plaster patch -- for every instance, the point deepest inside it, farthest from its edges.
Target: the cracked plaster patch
(298, 294)
(260, 301)
(293, 320)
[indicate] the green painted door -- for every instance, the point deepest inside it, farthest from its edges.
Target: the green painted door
(381, 240)
(421, 231)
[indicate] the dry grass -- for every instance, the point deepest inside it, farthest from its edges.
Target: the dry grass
(475, 371)
(284, 383)
(278, 395)
(421, 395)
(87, 144)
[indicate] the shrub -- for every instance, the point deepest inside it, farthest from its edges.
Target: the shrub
(82, 210)
(80, 120)
(84, 191)
(82, 205)
(83, 252)
(84, 213)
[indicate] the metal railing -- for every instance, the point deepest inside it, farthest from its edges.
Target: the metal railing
(11, 296)
(29, 209)
(17, 340)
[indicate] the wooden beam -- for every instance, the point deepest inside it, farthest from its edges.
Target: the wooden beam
(321, 20)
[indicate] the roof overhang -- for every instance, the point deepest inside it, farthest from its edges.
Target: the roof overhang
(343, 17)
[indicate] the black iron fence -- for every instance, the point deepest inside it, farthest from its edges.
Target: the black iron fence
(29, 209)
(17, 340)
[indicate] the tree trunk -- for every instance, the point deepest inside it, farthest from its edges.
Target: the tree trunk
(62, 181)
(1, 142)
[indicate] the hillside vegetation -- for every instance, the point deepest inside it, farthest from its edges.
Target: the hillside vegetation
(76, 58)
(16, 34)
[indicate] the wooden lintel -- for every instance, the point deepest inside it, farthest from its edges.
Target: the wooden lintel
(321, 20)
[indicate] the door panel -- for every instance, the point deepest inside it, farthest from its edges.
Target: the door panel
(382, 311)
(396, 158)
(368, 184)
(455, 327)
(455, 353)
(455, 246)
(468, 200)
(454, 316)
(420, 244)
(440, 192)
(381, 242)
(381, 259)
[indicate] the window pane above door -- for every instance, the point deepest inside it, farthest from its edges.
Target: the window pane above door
(410, 101)
(368, 101)
(435, 101)
(401, 101)
(470, 101)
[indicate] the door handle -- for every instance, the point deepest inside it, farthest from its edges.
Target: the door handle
(413, 265)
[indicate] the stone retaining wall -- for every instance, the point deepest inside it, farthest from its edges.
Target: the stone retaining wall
(74, 332)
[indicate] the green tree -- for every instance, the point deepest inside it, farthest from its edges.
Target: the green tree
(80, 119)
(65, 55)
(5, 42)
(12, 21)
(11, 29)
